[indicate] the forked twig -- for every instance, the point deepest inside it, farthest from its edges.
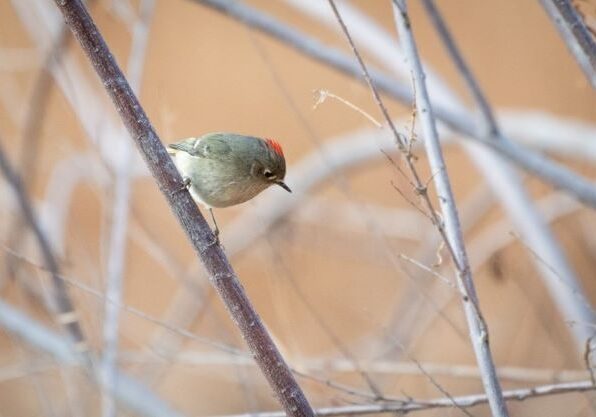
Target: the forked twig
(450, 230)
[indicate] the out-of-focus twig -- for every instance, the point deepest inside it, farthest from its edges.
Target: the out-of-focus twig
(517, 200)
(490, 123)
(78, 284)
(134, 395)
(575, 34)
(120, 214)
(204, 242)
(60, 301)
(32, 127)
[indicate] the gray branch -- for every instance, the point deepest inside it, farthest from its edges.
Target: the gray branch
(564, 285)
(477, 327)
(575, 34)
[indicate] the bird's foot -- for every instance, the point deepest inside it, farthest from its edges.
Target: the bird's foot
(216, 235)
(185, 186)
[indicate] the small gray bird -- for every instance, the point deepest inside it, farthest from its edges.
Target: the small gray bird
(225, 169)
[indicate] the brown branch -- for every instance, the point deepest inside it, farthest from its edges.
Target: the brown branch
(220, 272)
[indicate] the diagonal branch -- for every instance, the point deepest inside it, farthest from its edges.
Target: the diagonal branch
(170, 183)
(516, 198)
(575, 34)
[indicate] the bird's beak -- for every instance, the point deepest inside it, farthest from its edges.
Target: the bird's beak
(284, 186)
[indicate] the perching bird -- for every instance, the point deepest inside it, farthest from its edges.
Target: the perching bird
(225, 169)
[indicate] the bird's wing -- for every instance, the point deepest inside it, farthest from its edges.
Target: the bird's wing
(211, 146)
(185, 145)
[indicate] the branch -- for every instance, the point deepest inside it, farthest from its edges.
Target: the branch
(170, 183)
(32, 132)
(477, 327)
(466, 401)
(516, 198)
(488, 117)
(575, 34)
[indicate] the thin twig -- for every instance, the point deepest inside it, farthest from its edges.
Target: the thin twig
(431, 271)
(454, 237)
(220, 272)
(466, 401)
(78, 284)
(60, 300)
(514, 196)
(32, 132)
(450, 230)
(490, 123)
(322, 95)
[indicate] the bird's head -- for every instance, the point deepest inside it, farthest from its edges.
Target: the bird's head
(272, 167)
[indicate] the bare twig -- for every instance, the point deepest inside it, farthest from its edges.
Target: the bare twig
(32, 129)
(575, 34)
(450, 230)
(162, 168)
(411, 405)
(76, 283)
(477, 326)
(431, 271)
(490, 124)
(322, 95)
(515, 198)
(61, 304)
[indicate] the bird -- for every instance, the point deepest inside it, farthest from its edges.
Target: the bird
(225, 169)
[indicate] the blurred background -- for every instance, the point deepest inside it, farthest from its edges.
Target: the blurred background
(345, 270)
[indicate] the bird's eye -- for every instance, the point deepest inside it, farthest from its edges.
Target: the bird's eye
(268, 174)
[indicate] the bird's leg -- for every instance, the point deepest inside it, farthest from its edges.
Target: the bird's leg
(185, 186)
(216, 231)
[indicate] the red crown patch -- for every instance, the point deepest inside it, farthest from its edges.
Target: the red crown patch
(273, 144)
